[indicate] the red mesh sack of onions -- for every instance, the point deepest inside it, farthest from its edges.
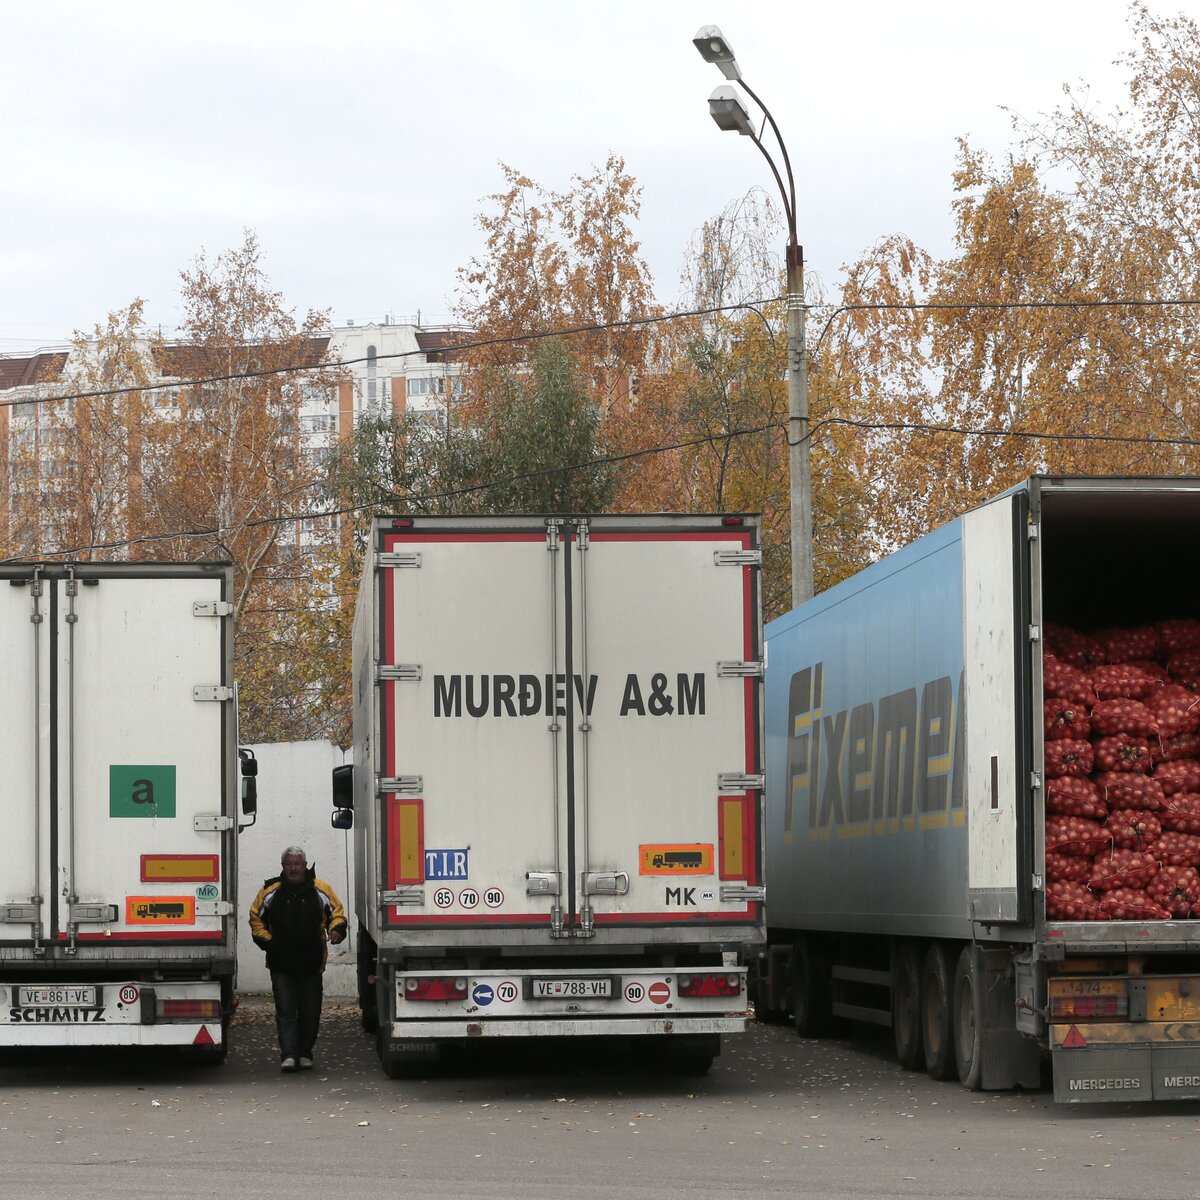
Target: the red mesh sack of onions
(1121, 752)
(1177, 889)
(1067, 866)
(1061, 680)
(1133, 829)
(1121, 681)
(1185, 745)
(1174, 708)
(1149, 667)
(1066, 719)
(1185, 668)
(1181, 813)
(1176, 850)
(1122, 868)
(1074, 797)
(1125, 645)
(1177, 635)
(1077, 836)
(1067, 900)
(1125, 789)
(1183, 775)
(1131, 904)
(1125, 716)
(1078, 649)
(1069, 756)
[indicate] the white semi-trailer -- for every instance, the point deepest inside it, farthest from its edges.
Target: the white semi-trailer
(557, 780)
(118, 864)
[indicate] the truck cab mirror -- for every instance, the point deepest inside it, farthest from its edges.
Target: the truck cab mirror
(249, 796)
(343, 787)
(249, 762)
(342, 818)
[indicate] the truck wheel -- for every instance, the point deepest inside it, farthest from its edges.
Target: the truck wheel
(968, 1019)
(906, 1007)
(812, 1003)
(368, 1001)
(770, 1007)
(938, 1028)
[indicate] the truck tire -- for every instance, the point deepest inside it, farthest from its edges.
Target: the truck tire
(906, 1007)
(938, 1025)
(812, 997)
(770, 998)
(368, 1000)
(968, 1019)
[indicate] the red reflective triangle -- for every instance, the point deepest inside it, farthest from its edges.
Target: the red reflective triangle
(1074, 1039)
(203, 1038)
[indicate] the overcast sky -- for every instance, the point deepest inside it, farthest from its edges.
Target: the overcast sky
(360, 138)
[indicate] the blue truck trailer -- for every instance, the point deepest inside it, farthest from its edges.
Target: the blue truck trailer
(906, 802)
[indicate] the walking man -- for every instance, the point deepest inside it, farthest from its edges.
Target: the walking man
(291, 918)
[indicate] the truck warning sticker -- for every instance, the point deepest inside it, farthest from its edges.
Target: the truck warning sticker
(160, 910)
(676, 860)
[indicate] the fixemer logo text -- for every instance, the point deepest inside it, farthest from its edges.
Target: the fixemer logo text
(887, 765)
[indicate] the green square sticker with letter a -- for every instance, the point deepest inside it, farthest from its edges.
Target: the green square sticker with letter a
(141, 791)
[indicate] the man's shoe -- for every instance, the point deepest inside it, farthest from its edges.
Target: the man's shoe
(288, 1064)
(305, 1063)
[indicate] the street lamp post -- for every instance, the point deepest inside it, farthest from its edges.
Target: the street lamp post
(727, 110)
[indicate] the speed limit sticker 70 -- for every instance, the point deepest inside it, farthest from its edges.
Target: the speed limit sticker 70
(507, 991)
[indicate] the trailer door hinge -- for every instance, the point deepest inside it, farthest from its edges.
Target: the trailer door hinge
(399, 558)
(739, 670)
(206, 691)
(211, 823)
(18, 914)
(213, 908)
(739, 782)
(606, 883)
(541, 883)
(91, 914)
(403, 672)
(212, 608)
(403, 785)
(1035, 781)
(1035, 633)
(737, 558)
(743, 891)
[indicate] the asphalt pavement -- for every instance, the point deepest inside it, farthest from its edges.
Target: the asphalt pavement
(776, 1116)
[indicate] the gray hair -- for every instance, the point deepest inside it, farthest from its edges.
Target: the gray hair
(293, 850)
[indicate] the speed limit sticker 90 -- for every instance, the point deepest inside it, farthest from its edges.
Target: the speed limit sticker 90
(493, 897)
(634, 992)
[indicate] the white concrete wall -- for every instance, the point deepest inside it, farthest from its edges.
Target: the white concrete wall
(293, 810)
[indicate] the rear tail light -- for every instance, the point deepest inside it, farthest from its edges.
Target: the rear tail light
(189, 1010)
(1082, 1008)
(710, 985)
(448, 987)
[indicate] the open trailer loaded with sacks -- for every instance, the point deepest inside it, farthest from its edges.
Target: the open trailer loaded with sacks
(983, 809)
(118, 866)
(556, 787)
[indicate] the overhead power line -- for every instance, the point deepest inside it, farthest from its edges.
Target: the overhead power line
(218, 532)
